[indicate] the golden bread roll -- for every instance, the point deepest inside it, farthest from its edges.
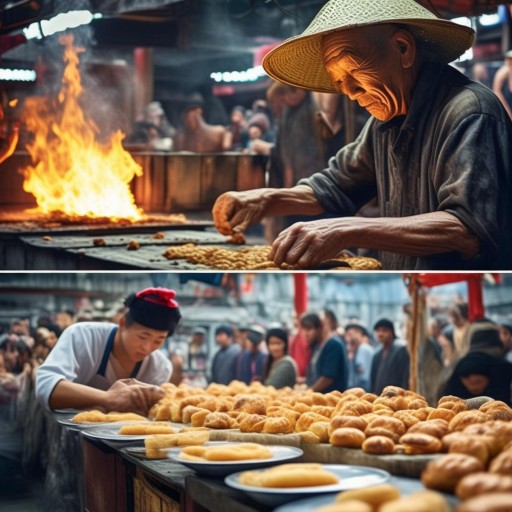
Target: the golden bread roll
(186, 413)
(462, 419)
(156, 444)
(423, 501)
(347, 437)
(355, 408)
(197, 419)
(417, 403)
(341, 421)
(95, 416)
(321, 429)
(441, 414)
(444, 474)
(252, 423)
(406, 418)
(495, 502)
(471, 445)
(143, 429)
(244, 451)
(289, 475)
(482, 483)
(378, 445)
(454, 403)
(375, 496)
(278, 425)
(349, 506)
(448, 439)
(416, 443)
(306, 420)
(392, 391)
(218, 420)
(502, 463)
(251, 405)
(437, 428)
(324, 410)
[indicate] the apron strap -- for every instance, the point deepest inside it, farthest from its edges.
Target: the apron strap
(106, 353)
(136, 370)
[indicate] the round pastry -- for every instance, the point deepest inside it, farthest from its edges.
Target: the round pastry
(369, 397)
(217, 420)
(391, 391)
(453, 403)
(252, 423)
(250, 405)
(417, 443)
(502, 463)
(197, 419)
(378, 445)
(318, 399)
(395, 403)
(375, 496)
(356, 408)
(443, 474)
(437, 428)
(465, 418)
(494, 405)
(471, 446)
(347, 437)
(279, 425)
(321, 429)
(423, 501)
(441, 414)
(306, 420)
(348, 421)
(495, 502)
(406, 418)
(482, 483)
(323, 410)
(417, 403)
(357, 392)
(448, 439)
(349, 506)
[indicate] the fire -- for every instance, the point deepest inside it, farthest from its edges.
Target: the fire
(73, 173)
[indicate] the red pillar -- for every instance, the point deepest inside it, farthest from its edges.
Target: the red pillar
(301, 293)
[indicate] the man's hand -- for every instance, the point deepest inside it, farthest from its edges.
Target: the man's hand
(130, 395)
(307, 244)
(234, 212)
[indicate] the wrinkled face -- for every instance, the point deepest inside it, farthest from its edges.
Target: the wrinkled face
(139, 341)
(363, 67)
(276, 347)
(475, 384)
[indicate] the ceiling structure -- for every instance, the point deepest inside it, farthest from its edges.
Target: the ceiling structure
(191, 38)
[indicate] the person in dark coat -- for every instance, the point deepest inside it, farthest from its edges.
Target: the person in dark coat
(390, 364)
(483, 371)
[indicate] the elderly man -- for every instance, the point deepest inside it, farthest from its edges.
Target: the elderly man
(436, 152)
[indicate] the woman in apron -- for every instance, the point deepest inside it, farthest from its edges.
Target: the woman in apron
(112, 367)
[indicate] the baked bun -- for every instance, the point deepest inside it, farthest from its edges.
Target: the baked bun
(378, 445)
(471, 446)
(321, 429)
(437, 428)
(252, 423)
(349, 506)
(482, 483)
(217, 420)
(279, 425)
(496, 502)
(454, 403)
(375, 496)
(347, 437)
(306, 420)
(461, 420)
(417, 443)
(348, 421)
(502, 463)
(443, 474)
(386, 426)
(441, 414)
(423, 501)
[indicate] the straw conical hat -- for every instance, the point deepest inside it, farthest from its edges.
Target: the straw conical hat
(298, 60)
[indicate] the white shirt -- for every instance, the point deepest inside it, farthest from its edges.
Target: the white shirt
(77, 356)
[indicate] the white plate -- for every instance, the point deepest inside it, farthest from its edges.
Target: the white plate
(83, 426)
(350, 477)
(110, 432)
(406, 486)
(280, 454)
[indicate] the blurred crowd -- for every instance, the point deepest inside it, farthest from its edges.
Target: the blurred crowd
(458, 357)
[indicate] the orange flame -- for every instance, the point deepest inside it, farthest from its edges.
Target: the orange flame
(72, 173)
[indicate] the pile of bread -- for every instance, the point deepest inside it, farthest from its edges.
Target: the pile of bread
(474, 445)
